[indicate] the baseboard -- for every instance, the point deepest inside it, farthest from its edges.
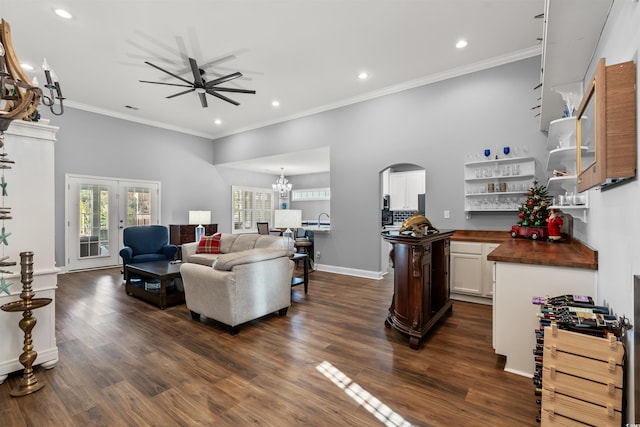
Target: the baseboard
(375, 275)
(471, 298)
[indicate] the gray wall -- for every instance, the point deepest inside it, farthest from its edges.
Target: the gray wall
(433, 126)
(311, 209)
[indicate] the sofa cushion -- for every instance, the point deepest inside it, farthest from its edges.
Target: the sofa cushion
(225, 262)
(209, 244)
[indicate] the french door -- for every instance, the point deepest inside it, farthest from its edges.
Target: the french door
(97, 210)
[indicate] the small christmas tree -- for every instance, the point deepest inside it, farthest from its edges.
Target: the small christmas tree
(533, 211)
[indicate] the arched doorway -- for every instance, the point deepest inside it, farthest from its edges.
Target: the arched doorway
(402, 193)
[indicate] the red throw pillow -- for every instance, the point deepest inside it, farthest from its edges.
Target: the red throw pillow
(209, 244)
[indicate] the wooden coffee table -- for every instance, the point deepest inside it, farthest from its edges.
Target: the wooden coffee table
(164, 271)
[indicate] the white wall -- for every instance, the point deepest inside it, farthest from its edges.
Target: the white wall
(614, 226)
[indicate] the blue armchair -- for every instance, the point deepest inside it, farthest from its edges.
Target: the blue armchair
(146, 243)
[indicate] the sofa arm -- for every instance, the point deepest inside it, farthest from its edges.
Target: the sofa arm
(169, 251)
(188, 250)
(126, 253)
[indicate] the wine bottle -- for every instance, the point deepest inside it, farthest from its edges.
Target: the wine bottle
(569, 298)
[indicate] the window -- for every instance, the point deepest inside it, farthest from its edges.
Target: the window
(250, 205)
(311, 194)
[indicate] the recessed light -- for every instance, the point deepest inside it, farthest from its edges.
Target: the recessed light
(275, 103)
(363, 75)
(27, 67)
(461, 44)
(218, 122)
(63, 14)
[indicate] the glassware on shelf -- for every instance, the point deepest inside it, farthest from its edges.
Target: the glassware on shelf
(506, 151)
(487, 153)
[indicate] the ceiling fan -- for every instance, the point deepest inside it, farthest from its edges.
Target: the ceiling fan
(200, 85)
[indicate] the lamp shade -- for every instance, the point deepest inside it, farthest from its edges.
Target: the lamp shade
(199, 217)
(288, 218)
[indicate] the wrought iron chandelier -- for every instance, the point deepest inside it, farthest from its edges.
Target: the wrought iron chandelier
(19, 97)
(282, 185)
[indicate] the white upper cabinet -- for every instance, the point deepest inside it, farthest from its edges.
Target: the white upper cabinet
(404, 188)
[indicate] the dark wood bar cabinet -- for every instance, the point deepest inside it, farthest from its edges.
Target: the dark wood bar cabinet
(186, 233)
(421, 283)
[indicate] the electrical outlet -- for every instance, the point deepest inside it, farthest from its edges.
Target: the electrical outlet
(317, 254)
(447, 214)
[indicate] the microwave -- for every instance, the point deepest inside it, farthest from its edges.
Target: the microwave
(387, 217)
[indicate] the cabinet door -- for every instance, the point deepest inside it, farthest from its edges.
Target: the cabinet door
(466, 273)
(415, 186)
(487, 269)
(398, 192)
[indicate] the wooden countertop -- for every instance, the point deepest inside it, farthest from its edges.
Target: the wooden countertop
(572, 254)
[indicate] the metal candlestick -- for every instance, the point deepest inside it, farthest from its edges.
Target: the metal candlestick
(29, 383)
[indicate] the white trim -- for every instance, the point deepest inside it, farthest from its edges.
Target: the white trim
(375, 275)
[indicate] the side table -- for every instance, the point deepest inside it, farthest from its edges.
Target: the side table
(295, 280)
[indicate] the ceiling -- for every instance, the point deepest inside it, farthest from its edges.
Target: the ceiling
(306, 54)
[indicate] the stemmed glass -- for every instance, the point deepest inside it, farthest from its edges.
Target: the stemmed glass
(506, 151)
(487, 153)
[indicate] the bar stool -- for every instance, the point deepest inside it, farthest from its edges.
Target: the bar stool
(303, 244)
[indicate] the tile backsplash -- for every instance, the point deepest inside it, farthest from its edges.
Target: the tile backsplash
(401, 216)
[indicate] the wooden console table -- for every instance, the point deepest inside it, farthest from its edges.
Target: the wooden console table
(186, 233)
(421, 283)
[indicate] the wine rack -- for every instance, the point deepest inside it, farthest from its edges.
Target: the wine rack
(579, 360)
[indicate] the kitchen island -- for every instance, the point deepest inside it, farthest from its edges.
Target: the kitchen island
(527, 268)
(420, 281)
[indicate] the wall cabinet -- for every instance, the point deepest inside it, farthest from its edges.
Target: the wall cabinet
(497, 185)
(471, 273)
(404, 188)
(606, 126)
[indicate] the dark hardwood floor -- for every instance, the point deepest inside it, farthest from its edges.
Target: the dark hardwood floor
(329, 362)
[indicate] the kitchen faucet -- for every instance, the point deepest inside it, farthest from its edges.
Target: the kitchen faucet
(323, 213)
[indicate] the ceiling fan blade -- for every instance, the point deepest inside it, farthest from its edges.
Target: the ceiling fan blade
(224, 98)
(231, 89)
(168, 72)
(223, 79)
(180, 93)
(197, 78)
(203, 100)
(167, 84)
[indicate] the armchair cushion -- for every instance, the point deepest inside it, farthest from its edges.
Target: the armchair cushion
(209, 244)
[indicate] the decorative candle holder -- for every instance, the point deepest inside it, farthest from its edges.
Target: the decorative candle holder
(29, 383)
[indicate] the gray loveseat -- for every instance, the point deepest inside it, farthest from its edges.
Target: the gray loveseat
(250, 278)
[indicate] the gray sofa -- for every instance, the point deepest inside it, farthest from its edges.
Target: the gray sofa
(250, 278)
(232, 243)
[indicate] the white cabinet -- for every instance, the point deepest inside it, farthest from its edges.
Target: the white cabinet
(471, 273)
(515, 317)
(498, 185)
(404, 188)
(561, 143)
(30, 184)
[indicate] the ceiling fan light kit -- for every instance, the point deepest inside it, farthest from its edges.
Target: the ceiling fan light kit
(200, 85)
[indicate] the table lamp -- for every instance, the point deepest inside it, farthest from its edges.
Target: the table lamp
(288, 219)
(198, 218)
